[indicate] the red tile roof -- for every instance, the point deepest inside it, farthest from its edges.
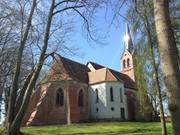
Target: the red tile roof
(76, 71)
(128, 82)
(66, 69)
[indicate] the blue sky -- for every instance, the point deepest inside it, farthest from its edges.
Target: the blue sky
(108, 54)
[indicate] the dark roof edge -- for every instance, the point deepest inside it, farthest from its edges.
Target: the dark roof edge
(59, 56)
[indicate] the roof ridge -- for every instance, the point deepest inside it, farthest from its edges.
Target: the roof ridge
(120, 73)
(88, 62)
(106, 67)
(91, 62)
(71, 60)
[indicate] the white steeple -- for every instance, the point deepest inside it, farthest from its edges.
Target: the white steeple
(127, 40)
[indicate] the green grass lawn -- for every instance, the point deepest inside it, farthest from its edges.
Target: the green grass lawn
(100, 128)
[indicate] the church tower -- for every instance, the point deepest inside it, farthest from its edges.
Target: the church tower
(127, 57)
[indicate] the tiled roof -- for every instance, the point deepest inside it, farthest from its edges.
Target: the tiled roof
(75, 70)
(101, 75)
(66, 69)
(128, 82)
(96, 66)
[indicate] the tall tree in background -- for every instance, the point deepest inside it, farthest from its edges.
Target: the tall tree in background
(174, 9)
(174, 15)
(139, 60)
(142, 12)
(170, 62)
(155, 67)
(148, 30)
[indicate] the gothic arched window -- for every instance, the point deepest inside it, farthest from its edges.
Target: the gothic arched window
(97, 96)
(124, 63)
(128, 62)
(111, 94)
(80, 98)
(59, 97)
(121, 95)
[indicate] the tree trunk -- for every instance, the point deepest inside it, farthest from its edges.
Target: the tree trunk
(12, 100)
(169, 59)
(15, 125)
(163, 122)
(147, 26)
(152, 55)
(11, 105)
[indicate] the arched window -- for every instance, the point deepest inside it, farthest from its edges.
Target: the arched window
(121, 95)
(80, 98)
(97, 96)
(60, 97)
(124, 63)
(111, 94)
(128, 62)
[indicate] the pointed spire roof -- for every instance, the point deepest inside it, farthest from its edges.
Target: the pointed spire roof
(128, 40)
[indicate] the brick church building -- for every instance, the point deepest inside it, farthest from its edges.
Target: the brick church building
(72, 92)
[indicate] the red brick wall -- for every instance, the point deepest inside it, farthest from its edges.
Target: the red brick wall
(77, 113)
(42, 109)
(36, 112)
(73, 101)
(131, 104)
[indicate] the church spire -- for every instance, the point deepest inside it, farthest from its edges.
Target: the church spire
(128, 40)
(127, 57)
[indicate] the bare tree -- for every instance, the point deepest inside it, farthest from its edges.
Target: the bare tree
(9, 39)
(20, 96)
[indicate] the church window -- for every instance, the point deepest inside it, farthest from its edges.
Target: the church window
(97, 110)
(121, 95)
(112, 108)
(97, 96)
(80, 98)
(128, 62)
(59, 97)
(124, 63)
(111, 94)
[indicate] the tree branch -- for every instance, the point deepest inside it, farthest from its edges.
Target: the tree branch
(86, 21)
(23, 90)
(67, 8)
(64, 1)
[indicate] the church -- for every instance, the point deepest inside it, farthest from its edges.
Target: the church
(72, 92)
